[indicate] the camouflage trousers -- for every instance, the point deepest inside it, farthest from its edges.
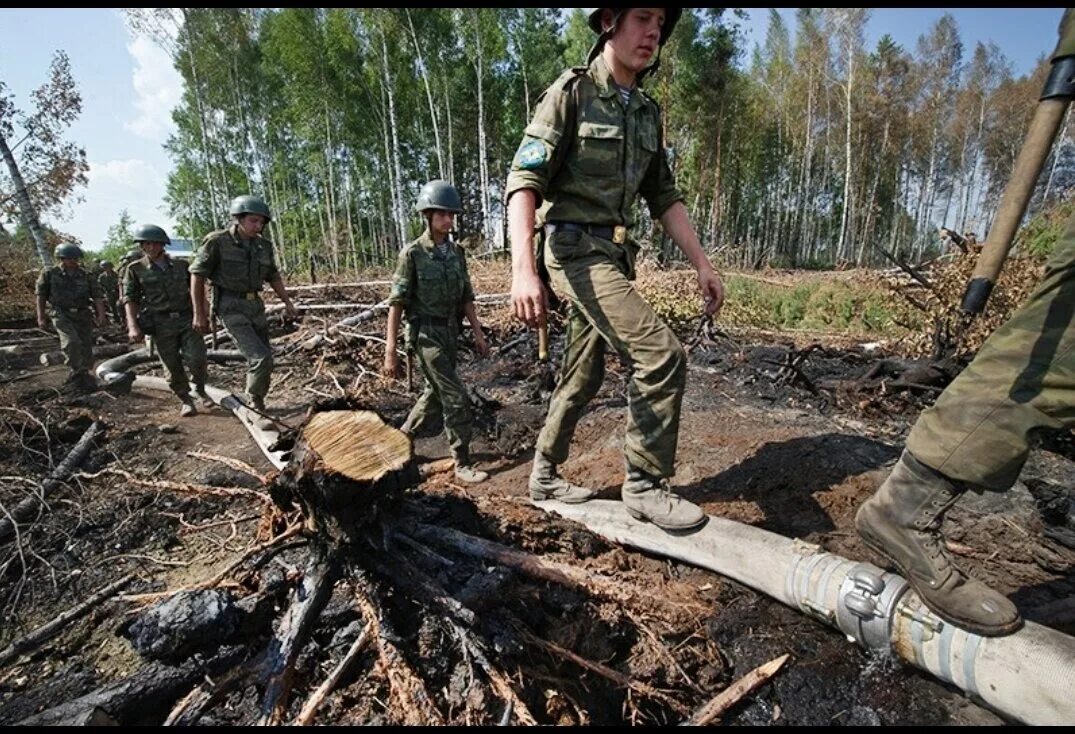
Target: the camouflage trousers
(606, 311)
(435, 347)
(1022, 380)
(177, 345)
(76, 338)
(245, 321)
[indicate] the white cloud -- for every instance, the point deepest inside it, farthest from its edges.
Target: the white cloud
(159, 88)
(132, 184)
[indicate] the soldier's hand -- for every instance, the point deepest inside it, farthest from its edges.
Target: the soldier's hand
(290, 310)
(712, 288)
(481, 344)
(391, 365)
(201, 324)
(135, 335)
(528, 300)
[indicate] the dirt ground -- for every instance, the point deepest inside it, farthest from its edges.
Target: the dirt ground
(157, 498)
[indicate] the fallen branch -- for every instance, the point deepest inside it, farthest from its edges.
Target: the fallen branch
(405, 686)
(193, 706)
(210, 583)
(461, 618)
(22, 510)
(530, 564)
(603, 670)
(230, 462)
(138, 696)
(736, 692)
(310, 707)
(182, 487)
(47, 630)
(310, 596)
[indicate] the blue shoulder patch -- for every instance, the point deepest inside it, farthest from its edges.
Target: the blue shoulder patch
(532, 155)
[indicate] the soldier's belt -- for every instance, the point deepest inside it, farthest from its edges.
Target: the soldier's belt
(616, 233)
(175, 314)
(73, 309)
(245, 295)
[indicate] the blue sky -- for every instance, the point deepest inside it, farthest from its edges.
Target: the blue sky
(129, 89)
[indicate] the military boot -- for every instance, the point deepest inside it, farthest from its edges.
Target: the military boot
(464, 472)
(188, 408)
(203, 397)
(547, 484)
(648, 498)
(902, 521)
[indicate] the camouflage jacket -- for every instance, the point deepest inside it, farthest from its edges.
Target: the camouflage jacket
(65, 290)
(427, 283)
(158, 289)
(109, 284)
(589, 156)
(233, 263)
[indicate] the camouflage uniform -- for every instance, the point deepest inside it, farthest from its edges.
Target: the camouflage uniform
(109, 281)
(70, 295)
(587, 157)
(163, 297)
(238, 267)
(1022, 380)
(432, 289)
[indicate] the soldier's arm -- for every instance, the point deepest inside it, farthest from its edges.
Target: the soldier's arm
(391, 339)
(132, 299)
(277, 284)
(537, 161)
(198, 300)
(398, 298)
(98, 296)
(678, 226)
(42, 291)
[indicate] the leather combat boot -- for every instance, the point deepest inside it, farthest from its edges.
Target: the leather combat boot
(648, 498)
(902, 521)
(464, 472)
(547, 484)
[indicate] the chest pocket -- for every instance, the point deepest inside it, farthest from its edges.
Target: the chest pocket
(647, 144)
(152, 283)
(600, 145)
(264, 259)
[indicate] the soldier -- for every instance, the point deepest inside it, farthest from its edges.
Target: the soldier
(68, 289)
(432, 287)
(157, 301)
(110, 287)
(593, 145)
(977, 437)
(238, 260)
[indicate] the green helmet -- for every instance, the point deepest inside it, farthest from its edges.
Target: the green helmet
(68, 249)
(150, 233)
(132, 255)
(246, 204)
(439, 194)
(671, 17)
(104, 264)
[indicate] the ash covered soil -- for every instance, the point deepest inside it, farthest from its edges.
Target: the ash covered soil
(768, 439)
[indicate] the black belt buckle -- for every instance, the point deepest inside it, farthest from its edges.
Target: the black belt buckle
(616, 234)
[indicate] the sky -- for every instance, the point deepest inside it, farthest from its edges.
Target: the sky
(129, 88)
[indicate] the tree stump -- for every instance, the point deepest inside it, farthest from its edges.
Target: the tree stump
(344, 463)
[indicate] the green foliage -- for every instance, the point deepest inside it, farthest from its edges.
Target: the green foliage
(834, 304)
(1039, 236)
(117, 241)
